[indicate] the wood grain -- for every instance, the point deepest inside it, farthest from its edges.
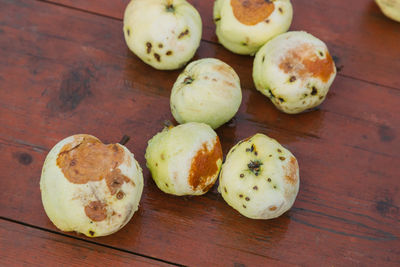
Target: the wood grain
(25, 246)
(356, 34)
(55, 82)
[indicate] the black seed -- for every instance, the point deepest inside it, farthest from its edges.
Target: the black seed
(314, 91)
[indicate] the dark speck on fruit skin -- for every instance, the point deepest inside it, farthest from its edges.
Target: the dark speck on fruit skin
(314, 91)
(157, 57)
(148, 45)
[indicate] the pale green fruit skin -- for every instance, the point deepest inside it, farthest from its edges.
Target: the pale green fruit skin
(169, 156)
(274, 83)
(64, 201)
(149, 22)
(245, 39)
(254, 196)
(391, 8)
(213, 97)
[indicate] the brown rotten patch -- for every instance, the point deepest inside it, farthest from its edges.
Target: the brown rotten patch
(204, 165)
(87, 159)
(251, 12)
(291, 171)
(96, 211)
(302, 61)
(115, 179)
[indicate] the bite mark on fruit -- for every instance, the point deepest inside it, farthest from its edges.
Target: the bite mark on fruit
(205, 165)
(302, 61)
(251, 12)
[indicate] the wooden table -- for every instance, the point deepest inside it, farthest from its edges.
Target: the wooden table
(65, 69)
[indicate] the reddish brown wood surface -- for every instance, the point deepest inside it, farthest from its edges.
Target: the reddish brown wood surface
(22, 245)
(357, 34)
(65, 71)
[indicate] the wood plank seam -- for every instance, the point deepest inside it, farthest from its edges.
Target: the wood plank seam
(80, 9)
(89, 241)
(204, 40)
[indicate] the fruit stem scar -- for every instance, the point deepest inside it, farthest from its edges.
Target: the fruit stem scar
(170, 8)
(255, 166)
